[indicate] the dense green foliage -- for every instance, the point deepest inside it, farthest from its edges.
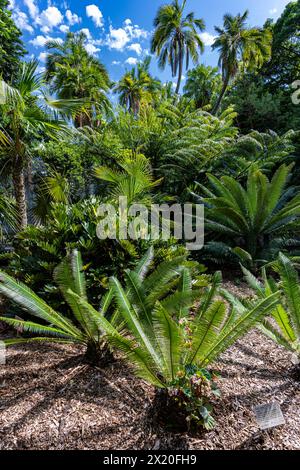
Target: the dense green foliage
(255, 221)
(11, 47)
(283, 326)
(167, 345)
(229, 141)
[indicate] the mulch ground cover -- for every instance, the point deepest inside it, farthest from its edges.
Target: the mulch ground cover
(51, 399)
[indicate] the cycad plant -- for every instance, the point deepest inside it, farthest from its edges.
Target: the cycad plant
(84, 325)
(83, 328)
(283, 326)
(170, 346)
(256, 220)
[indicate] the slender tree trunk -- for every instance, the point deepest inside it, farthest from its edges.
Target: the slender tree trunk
(180, 70)
(222, 94)
(20, 195)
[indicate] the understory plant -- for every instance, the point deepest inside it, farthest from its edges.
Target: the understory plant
(82, 323)
(283, 324)
(255, 222)
(168, 324)
(171, 345)
(56, 327)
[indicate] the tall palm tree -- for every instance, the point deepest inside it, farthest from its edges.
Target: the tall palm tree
(136, 86)
(237, 43)
(27, 114)
(73, 73)
(175, 38)
(203, 85)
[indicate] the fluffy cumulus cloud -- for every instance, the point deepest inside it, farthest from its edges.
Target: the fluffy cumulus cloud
(72, 18)
(136, 47)
(131, 61)
(116, 62)
(208, 39)
(119, 38)
(134, 31)
(40, 41)
(49, 19)
(32, 8)
(22, 21)
(87, 32)
(64, 28)
(43, 56)
(91, 48)
(92, 11)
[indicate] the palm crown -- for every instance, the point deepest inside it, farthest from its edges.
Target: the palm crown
(73, 73)
(236, 42)
(175, 38)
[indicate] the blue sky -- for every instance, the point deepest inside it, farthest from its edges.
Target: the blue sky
(119, 31)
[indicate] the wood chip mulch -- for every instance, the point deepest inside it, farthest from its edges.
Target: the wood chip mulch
(51, 399)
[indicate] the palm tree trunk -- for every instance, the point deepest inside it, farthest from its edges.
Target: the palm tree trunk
(20, 196)
(222, 94)
(180, 70)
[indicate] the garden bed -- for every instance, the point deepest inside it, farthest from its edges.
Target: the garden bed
(50, 399)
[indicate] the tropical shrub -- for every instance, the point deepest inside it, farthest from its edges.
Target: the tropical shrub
(264, 151)
(194, 143)
(39, 249)
(255, 221)
(55, 327)
(283, 326)
(82, 323)
(171, 346)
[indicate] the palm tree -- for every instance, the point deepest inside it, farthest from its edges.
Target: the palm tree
(137, 86)
(29, 113)
(175, 38)
(202, 85)
(73, 73)
(235, 43)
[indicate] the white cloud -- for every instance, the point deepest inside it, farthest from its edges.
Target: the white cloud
(136, 47)
(116, 62)
(72, 18)
(87, 32)
(208, 39)
(40, 41)
(43, 56)
(117, 38)
(131, 61)
(134, 31)
(64, 28)
(91, 49)
(11, 4)
(273, 11)
(32, 8)
(49, 18)
(21, 20)
(92, 11)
